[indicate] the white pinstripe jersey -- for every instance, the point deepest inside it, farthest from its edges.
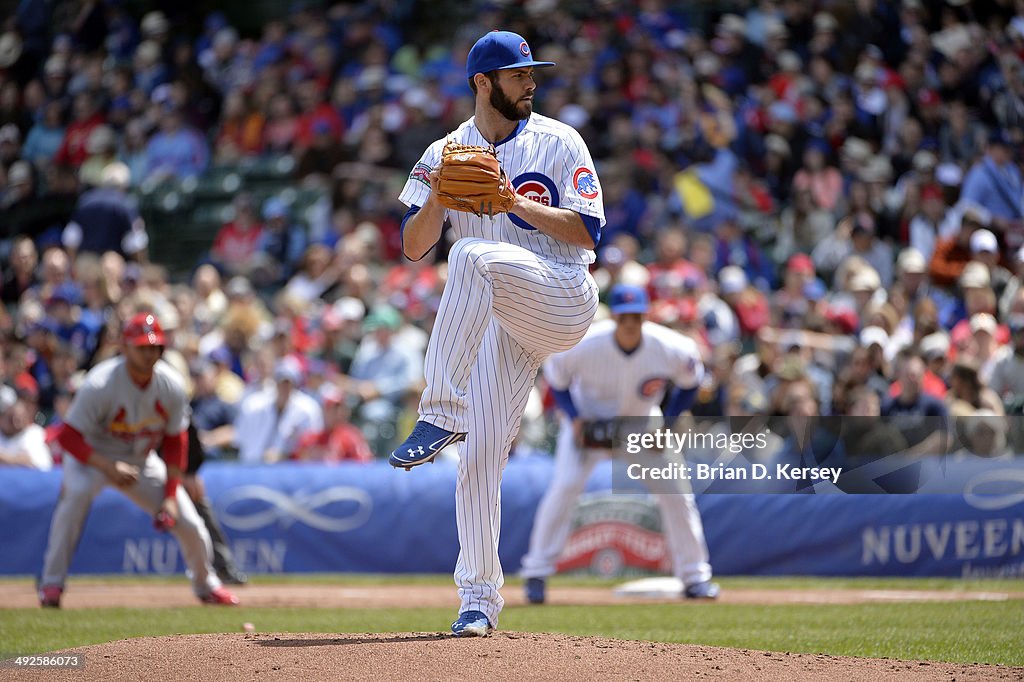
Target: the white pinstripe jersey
(547, 161)
(606, 382)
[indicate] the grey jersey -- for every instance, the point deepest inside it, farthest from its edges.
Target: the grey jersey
(122, 421)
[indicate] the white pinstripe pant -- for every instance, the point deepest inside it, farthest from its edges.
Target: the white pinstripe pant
(504, 310)
(680, 517)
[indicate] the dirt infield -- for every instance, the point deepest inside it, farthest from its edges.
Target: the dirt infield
(506, 655)
(440, 656)
(87, 595)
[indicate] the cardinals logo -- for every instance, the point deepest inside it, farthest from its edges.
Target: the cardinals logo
(149, 430)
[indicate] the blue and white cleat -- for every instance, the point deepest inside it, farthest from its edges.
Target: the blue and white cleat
(704, 590)
(472, 624)
(422, 445)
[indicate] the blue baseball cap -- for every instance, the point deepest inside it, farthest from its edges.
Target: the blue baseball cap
(500, 50)
(626, 298)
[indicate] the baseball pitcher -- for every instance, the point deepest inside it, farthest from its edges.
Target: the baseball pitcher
(521, 198)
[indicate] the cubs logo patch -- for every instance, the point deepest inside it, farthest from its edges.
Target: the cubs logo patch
(421, 172)
(652, 387)
(524, 49)
(585, 183)
(535, 187)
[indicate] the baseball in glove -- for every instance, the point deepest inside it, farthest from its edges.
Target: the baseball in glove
(471, 180)
(600, 433)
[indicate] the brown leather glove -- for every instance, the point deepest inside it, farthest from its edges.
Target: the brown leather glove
(471, 180)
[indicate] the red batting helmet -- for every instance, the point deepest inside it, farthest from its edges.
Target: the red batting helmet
(143, 329)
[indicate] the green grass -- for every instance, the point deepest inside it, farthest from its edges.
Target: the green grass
(963, 632)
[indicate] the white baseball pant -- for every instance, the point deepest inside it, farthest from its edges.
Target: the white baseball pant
(680, 518)
(504, 310)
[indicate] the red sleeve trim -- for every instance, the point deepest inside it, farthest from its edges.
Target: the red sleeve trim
(175, 450)
(74, 443)
(171, 487)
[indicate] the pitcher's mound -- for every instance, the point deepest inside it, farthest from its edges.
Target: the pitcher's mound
(515, 656)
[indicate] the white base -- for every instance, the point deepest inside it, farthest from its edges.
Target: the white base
(648, 588)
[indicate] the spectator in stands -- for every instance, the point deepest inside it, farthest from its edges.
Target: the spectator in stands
(318, 271)
(177, 151)
(107, 218)
(149, 68)
(20, 209)
(995, 182)
(211, 416)
(960, 139)
(22, 441)
(318, 160)
(87, 116)
(802, 226)
(241, 130)
(736, 246)
(985, 250)
(236, 245)
(922, 415)
(101, 150)
(224, 67)
(790, 305)
(985, 436)
(55, 271)
(270, 423)
(382, 373)
(926, 224)
(341, 332)
(133, 150)
(339, 440)
(1008, 370)
(866, 435)
(63, 307)
(284, 240)
(10, 144)
(967, 394)
(953, 253)
(315, 109)
(670, 269)
(282, 125)
(747, 302)
(228, 385)
(210, 299)
(46, 136)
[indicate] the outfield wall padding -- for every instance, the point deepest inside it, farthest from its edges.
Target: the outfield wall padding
(372, 518)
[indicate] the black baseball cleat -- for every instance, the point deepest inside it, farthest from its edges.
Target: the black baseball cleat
(232, 576)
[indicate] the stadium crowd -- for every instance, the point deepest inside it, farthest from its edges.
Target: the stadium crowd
(825, 195)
